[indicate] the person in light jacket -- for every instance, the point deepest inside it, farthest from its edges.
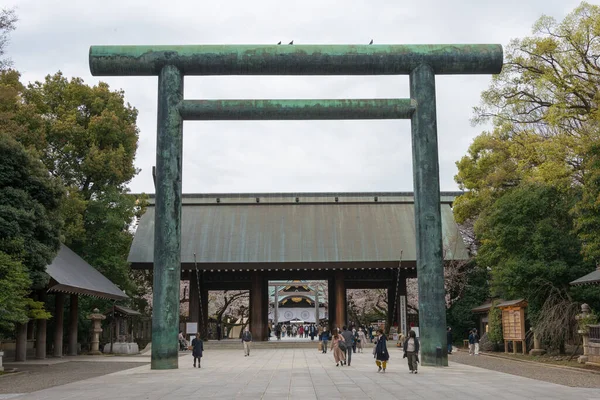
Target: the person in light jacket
(411, 351)
(362, 338)
(338, 354)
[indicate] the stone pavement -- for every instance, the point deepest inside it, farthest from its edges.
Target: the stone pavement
(307, 374)
(542, 372)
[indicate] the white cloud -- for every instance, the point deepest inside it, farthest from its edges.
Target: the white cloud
(280, 156)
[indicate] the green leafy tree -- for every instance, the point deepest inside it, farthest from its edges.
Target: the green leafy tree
(528, 244)
(544, 110)
(474, 293)
(495, 324)
(87, 136)
(15, 283)
(30, 221)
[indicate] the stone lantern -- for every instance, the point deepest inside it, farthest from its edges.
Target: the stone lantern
(96, 318)
(585, 312)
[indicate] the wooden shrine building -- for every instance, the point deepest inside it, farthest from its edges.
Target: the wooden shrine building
(243, 241)
(70, 276)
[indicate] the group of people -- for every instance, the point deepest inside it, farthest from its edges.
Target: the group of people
(295, 331)
(346, 342)
(343, 344)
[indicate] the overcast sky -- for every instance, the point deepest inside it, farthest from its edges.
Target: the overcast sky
(280, 156)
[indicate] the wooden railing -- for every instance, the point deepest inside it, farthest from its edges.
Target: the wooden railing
(594, 331)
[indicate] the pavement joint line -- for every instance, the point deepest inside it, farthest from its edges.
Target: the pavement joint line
(582, 370)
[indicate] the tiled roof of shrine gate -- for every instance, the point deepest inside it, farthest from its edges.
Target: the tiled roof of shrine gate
(71, 274)
(339, 228)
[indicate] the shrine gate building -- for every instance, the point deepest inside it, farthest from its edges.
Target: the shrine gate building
(349, 240)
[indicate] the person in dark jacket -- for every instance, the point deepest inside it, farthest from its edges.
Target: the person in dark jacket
(411, 351)
(324, 339)
(449, 339)
(381, 352)
(197, 349)
(349, 341)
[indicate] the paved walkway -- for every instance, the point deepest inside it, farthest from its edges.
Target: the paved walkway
(285, 374)
(547, 373)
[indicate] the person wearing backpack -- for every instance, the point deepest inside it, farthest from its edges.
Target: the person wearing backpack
(338, 346)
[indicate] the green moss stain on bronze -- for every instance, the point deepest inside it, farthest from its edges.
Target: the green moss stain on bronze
(206, 110)
(296, 59)
(428, 219)
(167, 228)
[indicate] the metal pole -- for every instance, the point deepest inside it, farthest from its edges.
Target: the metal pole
(316, 305)
(276, 309)
(167, 228)
(430, 270)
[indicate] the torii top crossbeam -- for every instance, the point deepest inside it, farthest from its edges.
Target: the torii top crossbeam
(394, 59)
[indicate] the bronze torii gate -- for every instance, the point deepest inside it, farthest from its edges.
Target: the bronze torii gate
(172, 63)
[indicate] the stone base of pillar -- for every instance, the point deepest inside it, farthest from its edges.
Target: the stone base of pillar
(582, 359)
(537, 352)
(1, 366)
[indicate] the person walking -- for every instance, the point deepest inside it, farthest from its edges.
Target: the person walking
(313, 330)
(411, 351)
(283, 330)
(218, 331)
(474, 343)
(324, 339)
(197, 349)
(449, 340)
(301, 331)
(355, 341)
(362, 338)
(349, 342)
(381, 352)
(247, 341)
(339, 348)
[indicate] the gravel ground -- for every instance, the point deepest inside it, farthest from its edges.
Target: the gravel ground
(38, 377)
(561, 376)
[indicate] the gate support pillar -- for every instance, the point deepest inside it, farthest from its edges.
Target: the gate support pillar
(428, 220)
(331, 303)
(194, 315)
(73, 323)
(258, 307)
(59, 313)
(340, 300)
(167, 226)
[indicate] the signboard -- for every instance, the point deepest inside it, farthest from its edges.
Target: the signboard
(513, 323)
(403, 315)
(191, 328)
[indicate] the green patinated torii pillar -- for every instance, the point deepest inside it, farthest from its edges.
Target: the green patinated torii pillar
(172, 63)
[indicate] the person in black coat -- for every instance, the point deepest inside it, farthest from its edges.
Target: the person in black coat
(449, 340)
(197, 349)
(381, 352)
